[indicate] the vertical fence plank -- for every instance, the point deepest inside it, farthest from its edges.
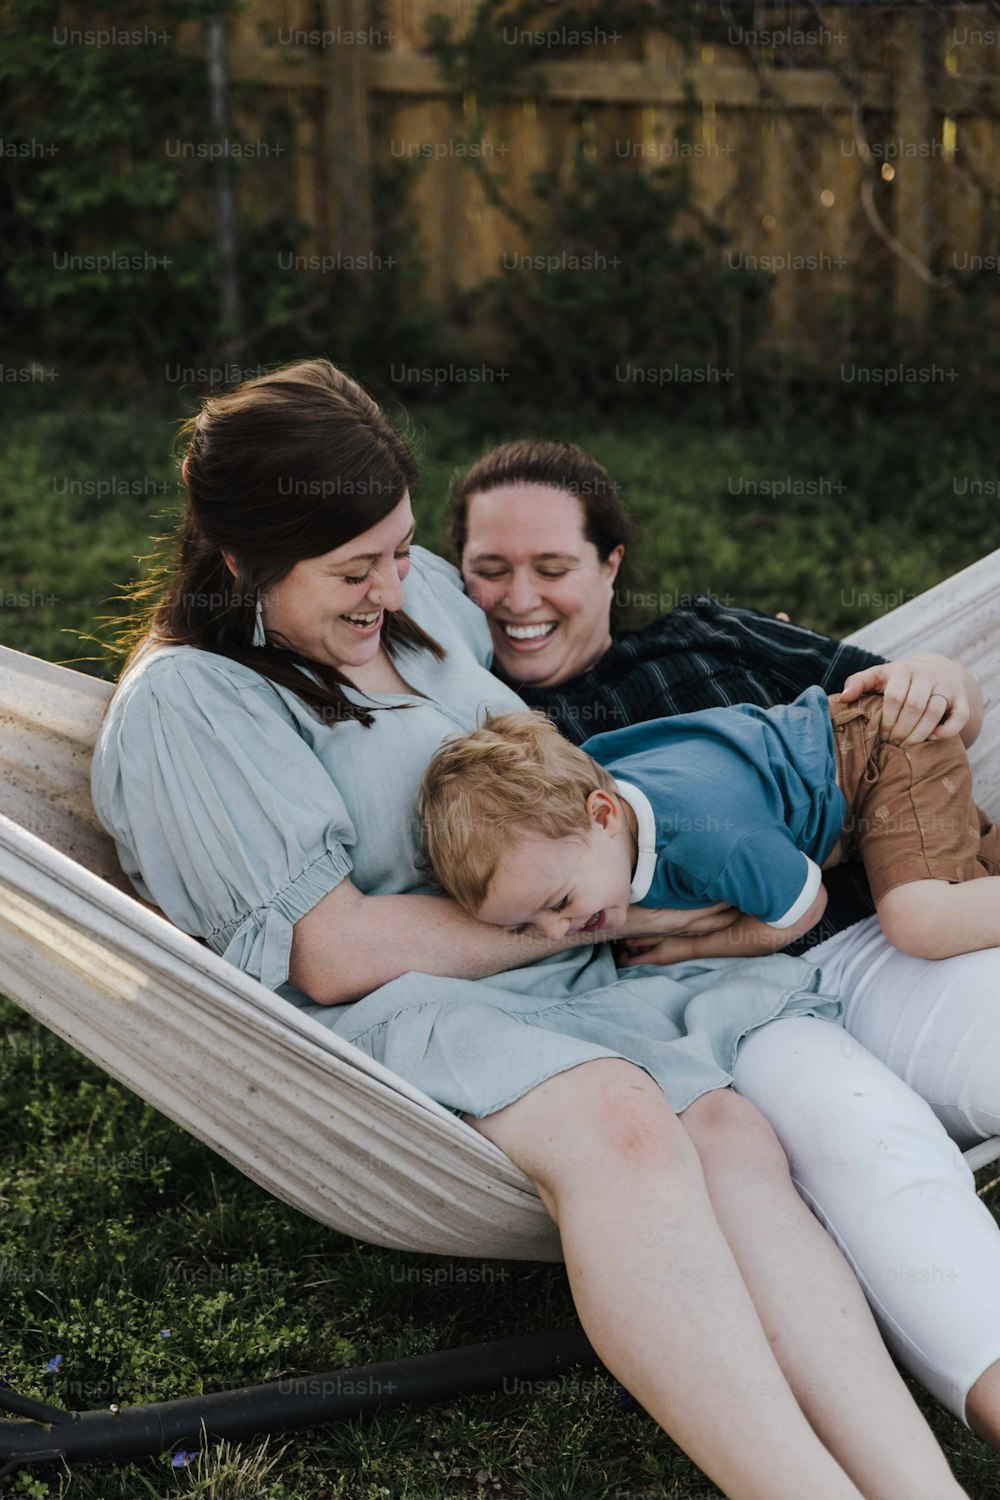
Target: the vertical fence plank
(914, 174)
(225, 198)
(307, 205)
(346, 129)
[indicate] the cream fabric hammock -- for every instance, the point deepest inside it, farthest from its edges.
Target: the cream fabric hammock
(309, 1117)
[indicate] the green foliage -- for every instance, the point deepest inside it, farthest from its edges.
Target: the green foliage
(106, 178)
(617, 301)
(110, 266)
(621, 290)
(623, 273)
(831, 523)
(376, 321)
(95, 179)
(506, 40)
(82, 493)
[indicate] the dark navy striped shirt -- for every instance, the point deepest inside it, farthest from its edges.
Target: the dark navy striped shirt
(709, 655)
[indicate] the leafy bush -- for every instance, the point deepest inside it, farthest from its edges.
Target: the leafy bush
(615, 302)
(621, 289)
(92, 179)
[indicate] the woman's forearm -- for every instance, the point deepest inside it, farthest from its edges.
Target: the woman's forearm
(350, 943)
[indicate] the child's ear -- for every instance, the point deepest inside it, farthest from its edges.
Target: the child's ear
(604, 810)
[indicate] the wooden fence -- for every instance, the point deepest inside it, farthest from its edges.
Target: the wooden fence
(845, 149)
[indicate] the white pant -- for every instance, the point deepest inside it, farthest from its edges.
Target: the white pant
(874, 1163)
(934, 1022)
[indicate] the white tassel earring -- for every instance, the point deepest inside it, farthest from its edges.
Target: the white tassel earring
(259, 636)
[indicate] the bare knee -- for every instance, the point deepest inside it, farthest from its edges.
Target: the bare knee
(724, 1124)
(599, 1119)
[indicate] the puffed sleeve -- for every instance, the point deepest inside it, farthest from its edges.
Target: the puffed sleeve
(222, 813)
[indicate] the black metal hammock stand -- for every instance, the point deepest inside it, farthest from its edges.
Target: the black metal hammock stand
(44, 1434)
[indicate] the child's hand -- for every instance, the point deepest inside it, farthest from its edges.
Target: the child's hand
(741, 936)
(653, 923)
(664, 935)
(655, 950)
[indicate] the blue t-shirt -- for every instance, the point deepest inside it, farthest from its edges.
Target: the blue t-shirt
(733, 804)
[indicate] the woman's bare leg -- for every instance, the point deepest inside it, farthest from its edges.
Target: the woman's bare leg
(810, 1304)
(655, 1283)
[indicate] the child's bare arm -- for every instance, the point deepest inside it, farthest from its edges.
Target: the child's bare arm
(652, 923)
(745, 938)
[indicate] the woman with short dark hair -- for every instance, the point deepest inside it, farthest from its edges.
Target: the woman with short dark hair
(541, 552)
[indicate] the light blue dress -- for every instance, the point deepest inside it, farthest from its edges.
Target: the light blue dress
(235, 810)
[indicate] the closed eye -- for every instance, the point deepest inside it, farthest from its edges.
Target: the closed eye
(400, 557)
(523, 927)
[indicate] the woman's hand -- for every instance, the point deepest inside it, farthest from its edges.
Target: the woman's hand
(927, 696)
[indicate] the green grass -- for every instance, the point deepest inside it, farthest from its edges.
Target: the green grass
(153, 1268)
(873, 517)
(156, 1270)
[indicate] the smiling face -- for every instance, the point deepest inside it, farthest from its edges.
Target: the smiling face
(546, 590)
(549, 887)
(332, 608)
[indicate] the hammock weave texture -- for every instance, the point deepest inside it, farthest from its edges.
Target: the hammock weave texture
(309, 1117)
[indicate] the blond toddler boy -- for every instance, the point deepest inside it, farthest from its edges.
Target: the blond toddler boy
(741, 806)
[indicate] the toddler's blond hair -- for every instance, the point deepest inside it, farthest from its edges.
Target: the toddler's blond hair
(515, 774)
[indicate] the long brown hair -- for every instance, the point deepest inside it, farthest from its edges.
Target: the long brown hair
(288, 466)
